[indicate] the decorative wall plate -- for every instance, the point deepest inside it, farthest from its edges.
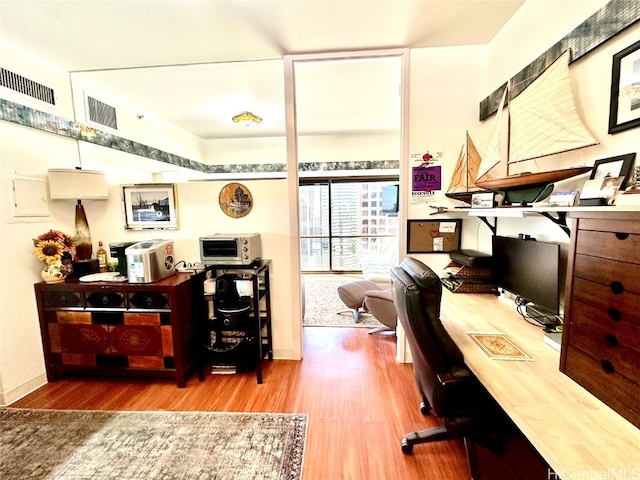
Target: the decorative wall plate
(235, 200)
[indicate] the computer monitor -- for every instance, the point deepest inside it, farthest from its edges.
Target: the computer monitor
(529, 269)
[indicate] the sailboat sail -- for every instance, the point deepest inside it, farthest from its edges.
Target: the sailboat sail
(466, 169)
(544, 120)
(492, 156)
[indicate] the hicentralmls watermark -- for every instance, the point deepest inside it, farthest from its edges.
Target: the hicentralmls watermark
(608, 474)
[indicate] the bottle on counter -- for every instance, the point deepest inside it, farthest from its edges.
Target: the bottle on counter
(101, 254)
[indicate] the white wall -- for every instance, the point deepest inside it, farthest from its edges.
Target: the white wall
(311, 148)
(137, 124)
(536, 26)
(446, 86)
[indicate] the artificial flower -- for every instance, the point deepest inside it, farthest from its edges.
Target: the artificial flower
(49, 251)
(50, 246)
(57, 236)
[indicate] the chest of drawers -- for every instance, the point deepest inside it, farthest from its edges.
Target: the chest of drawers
(601, 338)
(119, 328)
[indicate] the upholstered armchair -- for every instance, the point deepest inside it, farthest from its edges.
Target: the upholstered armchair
(379, 303)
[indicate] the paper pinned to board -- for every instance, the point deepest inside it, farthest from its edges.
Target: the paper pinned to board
(447, 227)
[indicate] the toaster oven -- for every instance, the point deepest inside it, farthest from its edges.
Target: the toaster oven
(230, 249)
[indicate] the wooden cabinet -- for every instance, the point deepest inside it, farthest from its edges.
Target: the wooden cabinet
(601, 337)
(236, 336)
(120, 328)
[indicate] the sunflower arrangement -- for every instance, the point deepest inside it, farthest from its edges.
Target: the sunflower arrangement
(50, 246)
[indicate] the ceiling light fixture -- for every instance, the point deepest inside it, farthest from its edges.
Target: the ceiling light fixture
(247, 118)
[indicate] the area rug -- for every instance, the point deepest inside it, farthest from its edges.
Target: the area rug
(72, 444)
(498, 346)
(322, 303)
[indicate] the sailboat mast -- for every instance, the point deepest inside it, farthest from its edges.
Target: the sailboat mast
(508, 94)
(466, 153)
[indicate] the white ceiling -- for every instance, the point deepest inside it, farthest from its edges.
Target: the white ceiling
(197, 63)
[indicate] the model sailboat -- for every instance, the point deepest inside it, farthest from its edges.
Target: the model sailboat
(542, 121)
(463, 185)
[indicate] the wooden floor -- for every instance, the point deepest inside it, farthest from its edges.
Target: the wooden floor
(360, 403)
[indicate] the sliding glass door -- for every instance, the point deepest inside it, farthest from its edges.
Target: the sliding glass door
(343, 219)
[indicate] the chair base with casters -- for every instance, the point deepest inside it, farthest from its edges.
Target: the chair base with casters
(468, 429)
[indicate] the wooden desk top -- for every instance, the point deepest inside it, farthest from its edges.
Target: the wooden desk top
(570, 428)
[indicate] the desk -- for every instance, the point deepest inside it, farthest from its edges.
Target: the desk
(572, 430)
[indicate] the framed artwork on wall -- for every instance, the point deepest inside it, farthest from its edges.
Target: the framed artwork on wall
(235, 200)
(150, 206)
(624, 108)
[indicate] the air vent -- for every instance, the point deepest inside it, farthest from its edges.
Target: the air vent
(101, 113)
(20, 84)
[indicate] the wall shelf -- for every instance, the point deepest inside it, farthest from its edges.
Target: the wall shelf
(557, 215)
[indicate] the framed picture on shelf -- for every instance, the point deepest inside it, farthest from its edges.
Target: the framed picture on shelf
(618, 166)
(563, 199)
(150, 206)
(610, 187)
(483, 200)
(624, 107)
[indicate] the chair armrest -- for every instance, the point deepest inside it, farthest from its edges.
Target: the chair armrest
(381, 294)
(447, 378)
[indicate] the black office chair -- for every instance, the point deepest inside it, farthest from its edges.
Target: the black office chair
(446, 384)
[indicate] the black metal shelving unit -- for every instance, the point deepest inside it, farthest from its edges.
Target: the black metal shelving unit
(237, 336)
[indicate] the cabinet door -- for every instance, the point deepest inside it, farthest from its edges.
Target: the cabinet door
(75, 340)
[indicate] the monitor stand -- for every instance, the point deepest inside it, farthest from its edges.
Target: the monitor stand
(541, 315)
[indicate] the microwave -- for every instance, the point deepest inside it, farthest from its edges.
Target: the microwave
(230, 249)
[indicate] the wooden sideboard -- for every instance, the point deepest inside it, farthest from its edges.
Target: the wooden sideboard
(113, 328)
(601, 337)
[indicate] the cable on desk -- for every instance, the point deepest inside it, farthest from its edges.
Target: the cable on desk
(521, 303)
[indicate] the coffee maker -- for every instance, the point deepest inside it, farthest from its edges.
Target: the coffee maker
(116, 250)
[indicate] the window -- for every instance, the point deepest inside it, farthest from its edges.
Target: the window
(334, 226)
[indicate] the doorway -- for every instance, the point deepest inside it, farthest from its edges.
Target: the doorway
(364, 94)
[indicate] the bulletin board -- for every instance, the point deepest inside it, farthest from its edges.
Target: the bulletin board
(433, 236)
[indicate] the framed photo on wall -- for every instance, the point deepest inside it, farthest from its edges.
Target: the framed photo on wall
(150, 206)
(624, 108)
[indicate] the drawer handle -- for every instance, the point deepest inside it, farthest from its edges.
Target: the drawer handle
(608, 367)
(611, 340)
(614, 314)
(617, 288)
(622, 235)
